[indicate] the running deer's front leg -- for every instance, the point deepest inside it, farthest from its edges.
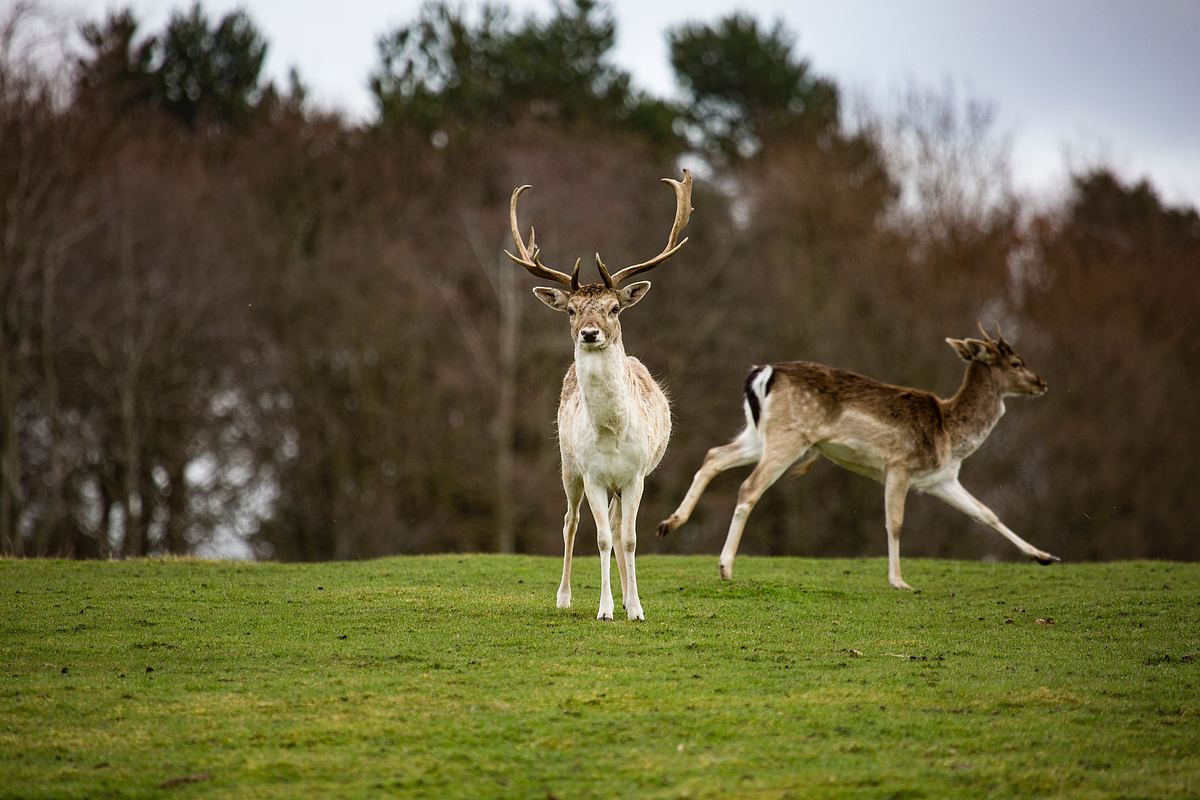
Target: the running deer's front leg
(954, 495)
(895, 488)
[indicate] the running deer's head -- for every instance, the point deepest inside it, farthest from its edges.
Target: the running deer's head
(1007, 368)
(594, 309)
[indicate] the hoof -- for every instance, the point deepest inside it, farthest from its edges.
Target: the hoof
(666, 527)
(726, 571)
(606, 610)
(1045, 559)
(899, 584)
(636, 614)
(564, 602)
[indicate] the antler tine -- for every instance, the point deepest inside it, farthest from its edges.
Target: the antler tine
(604, 276)
(987, 337)
(530, 256)
(683, 212)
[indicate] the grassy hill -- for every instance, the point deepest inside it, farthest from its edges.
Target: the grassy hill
(455, 676)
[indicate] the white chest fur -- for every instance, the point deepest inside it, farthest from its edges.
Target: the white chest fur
(607, 436)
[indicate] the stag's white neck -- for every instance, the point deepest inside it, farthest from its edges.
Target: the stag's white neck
(604, 387)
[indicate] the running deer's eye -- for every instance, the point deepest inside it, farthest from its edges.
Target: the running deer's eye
(570, 312)
(612, 312)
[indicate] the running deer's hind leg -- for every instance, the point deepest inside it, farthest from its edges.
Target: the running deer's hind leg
(774, 462)
(741, 451)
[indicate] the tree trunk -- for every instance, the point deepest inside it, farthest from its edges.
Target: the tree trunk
(175, 541)
(506, 406)
(51, 528)
(131, 500)
(10, 455)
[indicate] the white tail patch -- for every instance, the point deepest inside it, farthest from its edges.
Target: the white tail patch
(755, 403)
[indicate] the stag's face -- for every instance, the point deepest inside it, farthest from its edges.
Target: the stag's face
(594, 311)
(1011, 374)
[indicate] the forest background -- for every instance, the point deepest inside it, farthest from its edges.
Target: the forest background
(234, 323)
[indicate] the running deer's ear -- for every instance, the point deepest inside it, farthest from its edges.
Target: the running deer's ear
(973, 350)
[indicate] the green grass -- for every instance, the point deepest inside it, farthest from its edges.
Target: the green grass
(455, 676)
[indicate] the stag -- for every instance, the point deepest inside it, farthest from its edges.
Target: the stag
(902, 438)
(613, 418)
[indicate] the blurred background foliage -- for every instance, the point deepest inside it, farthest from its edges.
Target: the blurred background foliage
(232, 323)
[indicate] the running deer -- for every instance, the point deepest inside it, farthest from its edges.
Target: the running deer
(613, 418)
(903, 438)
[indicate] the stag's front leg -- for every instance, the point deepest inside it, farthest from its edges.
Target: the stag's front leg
(631, 498)
(574, 489)
(597, 497)
(954, 495)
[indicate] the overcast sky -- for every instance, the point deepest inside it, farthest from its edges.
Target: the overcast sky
(1103, 80)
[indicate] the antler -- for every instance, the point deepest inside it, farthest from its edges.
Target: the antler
(530, 257)
(987, 336)
(683, 211)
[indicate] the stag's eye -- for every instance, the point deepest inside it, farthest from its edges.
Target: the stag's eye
(570, 312)
(612, 312)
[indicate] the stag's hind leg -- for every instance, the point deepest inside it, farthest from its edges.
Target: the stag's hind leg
(573, 485)
(954, 495)
(776, 458)
(745, 449)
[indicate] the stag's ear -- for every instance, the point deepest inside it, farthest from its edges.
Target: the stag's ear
(973, 350)
(632, 293)
(555, 298)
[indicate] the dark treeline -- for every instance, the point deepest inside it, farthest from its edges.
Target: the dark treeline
(228, 316)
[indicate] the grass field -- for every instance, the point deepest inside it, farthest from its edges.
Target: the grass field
(455, 676)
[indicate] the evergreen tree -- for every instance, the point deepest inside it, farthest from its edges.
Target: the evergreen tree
(744, 83)
(118, 71)
(210, 73)
(198, 72)
(445, 73)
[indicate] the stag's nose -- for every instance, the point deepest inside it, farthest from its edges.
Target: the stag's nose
(589, 335)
